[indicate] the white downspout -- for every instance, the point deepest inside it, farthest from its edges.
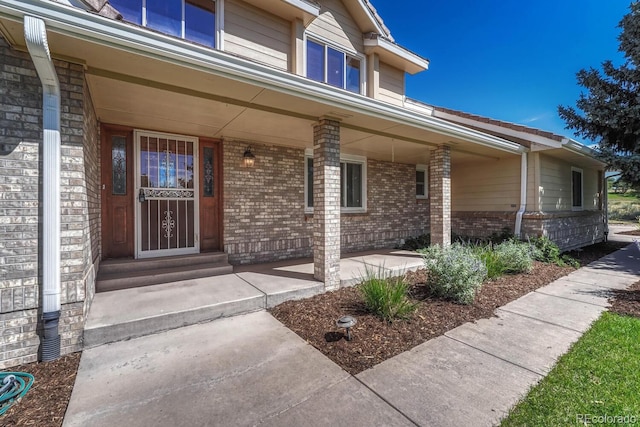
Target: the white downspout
(35, 34)
(523, 195)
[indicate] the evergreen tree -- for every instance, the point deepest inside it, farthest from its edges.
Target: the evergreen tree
(610, 110)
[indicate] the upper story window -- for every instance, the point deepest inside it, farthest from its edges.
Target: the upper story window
(576, 189)
(193, 20)
(333, 66)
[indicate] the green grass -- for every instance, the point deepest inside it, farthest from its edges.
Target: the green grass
(600, 376)
(626, 197)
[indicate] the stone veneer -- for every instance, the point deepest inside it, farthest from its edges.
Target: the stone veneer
(440, 195)
(264, 216)
(569, 230)
(20, 206)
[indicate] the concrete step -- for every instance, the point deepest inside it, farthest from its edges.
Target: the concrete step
(135, 279)
(112, 266)
(136, 312)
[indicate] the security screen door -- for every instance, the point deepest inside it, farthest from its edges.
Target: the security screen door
(167, 215)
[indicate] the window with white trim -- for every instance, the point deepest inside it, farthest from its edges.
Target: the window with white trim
(331, 65)
(577, 192)
(353, 188)
(193, 20)
(422, 182)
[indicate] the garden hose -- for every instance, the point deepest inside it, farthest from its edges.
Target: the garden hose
(13, 386)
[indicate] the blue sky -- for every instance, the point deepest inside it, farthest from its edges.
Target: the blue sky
(506, 59)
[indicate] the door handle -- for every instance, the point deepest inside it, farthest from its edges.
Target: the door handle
(141, 196)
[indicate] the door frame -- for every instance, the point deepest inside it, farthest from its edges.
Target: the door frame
(137, 183)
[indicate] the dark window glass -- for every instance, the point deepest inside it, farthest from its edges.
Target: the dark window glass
(131, 10)
(353, 75)
(207, 167)
(420, 183)
(309, 182)
(577, 188)
(315, 61)
(199, 24)
(351, 185)
(119, 165)
(165, 16)
(335, 68)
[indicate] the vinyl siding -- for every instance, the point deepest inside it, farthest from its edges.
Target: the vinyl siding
(555, 185)
(391, 85)
(336, 25)
(492, 185)
(256, 34)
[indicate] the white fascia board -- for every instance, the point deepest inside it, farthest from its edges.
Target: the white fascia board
(581, 149)
(138, 40)
(419, 107)
(372, 18)
(536, 139)
(419, 63)
(305, 7)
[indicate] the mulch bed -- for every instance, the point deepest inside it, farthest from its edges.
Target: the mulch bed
(627, 302)
(374, 340)
(630, 233)
(314, 319)
(45, 403)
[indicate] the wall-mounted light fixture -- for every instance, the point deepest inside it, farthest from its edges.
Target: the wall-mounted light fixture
(248, 158)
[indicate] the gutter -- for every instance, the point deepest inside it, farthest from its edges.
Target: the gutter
(581, 149)
(140, 41)
(523, 196)
(35, 34)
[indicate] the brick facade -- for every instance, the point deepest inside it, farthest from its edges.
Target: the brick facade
(440, 195)
(20, 206)
(569, 230)
(481, 223)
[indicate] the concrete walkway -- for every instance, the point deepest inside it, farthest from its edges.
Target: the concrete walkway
(251, 370)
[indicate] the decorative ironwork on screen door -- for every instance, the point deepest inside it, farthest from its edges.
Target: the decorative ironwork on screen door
(167, 220)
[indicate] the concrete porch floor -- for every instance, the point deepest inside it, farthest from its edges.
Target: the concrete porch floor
(130, 313)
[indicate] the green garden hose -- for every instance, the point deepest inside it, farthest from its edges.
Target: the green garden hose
(13, 386)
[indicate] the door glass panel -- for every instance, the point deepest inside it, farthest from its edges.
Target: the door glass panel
(119, 165)
(207, 168)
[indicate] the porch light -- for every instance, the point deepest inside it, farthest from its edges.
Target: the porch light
(346, 322)
(248, 158)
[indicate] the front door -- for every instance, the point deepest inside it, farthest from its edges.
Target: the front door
(167, 206)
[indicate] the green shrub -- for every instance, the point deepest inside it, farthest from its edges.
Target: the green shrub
(386, 296)
(545, 250)
(415, 243)
(454, 272)
(492, 260)
(515, 256)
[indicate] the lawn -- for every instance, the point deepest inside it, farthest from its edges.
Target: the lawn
(624, 207)
(594, 383)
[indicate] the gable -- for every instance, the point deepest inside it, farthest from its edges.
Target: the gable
(336, 25)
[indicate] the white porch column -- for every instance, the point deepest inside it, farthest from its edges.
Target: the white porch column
(440, 195)
(326, 202)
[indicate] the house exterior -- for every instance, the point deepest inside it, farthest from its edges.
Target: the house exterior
(266, 130)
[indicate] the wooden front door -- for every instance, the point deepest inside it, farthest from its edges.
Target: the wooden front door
(117, 193)
(210, 195)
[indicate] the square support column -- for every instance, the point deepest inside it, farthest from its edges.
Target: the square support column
(440, 195)
(326, 202)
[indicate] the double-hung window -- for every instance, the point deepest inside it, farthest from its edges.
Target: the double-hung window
(333, 66)
(193, 20)
(353, 189)
(576, 189)
(422, 182)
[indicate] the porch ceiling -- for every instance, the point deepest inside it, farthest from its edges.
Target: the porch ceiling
(136, 90)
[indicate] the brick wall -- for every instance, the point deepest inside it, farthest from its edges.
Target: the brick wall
(264, 217)
(569, 230)
(481, 224)
(20, 205)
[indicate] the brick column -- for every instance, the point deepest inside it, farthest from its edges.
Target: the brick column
(440, 195)
(326, 202)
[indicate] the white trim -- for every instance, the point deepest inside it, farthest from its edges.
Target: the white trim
(141, 41)
(415, 64)
(137, 133)
(344, 158)
(219, 35)
(581, 207)
(346, 51)
(306, 7)
(523, 194)
(425, 169)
